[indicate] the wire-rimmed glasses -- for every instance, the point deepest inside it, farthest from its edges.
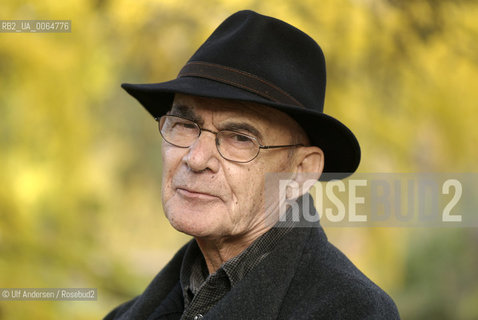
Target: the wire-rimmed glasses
(232, 145)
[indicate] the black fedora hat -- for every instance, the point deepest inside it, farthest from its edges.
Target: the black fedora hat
(251, 57)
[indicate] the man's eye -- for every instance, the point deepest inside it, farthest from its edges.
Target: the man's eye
(237, 140)
(181, 125)
(187, 125)
(242, 138)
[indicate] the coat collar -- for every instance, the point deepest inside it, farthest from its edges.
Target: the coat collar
(269, 280)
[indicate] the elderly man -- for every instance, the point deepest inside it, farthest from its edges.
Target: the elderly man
(249, 102)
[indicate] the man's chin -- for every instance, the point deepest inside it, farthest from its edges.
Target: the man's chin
(195, 224)
(194, 231)
(197, 219)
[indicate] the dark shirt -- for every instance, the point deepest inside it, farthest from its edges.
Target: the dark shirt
(202, 291)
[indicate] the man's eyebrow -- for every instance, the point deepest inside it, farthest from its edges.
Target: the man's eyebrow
(183, 111)
(242, 126)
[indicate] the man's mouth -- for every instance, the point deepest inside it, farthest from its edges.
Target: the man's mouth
(196, 194)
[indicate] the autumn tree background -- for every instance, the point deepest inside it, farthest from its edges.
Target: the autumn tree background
(80, 159)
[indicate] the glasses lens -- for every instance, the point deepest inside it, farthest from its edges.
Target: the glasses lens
(178, 131)
(236, 146)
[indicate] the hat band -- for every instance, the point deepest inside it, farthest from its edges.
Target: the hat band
(238, 78)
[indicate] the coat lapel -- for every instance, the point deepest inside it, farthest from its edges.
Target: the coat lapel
(261, 293)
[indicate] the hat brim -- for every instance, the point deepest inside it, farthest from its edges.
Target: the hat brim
(341, 148)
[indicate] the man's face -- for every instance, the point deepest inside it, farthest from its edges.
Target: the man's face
(207, 196)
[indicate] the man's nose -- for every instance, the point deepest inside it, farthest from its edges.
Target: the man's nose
(202, 154)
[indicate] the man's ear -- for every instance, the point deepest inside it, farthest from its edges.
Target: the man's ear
(309, 165)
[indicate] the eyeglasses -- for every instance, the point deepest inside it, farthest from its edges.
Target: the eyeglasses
(231, 145)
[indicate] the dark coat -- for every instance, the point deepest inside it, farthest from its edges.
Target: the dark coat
(305, 277)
